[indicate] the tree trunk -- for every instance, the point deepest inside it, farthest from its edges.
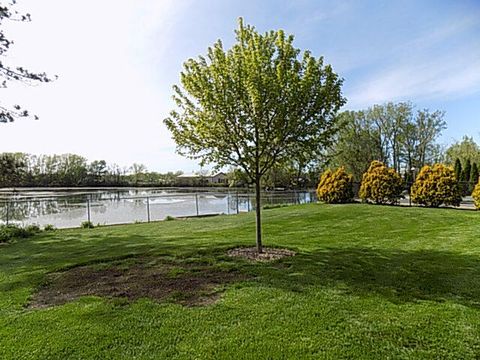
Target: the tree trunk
(258, 213)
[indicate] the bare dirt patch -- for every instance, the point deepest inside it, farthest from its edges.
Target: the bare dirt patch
(190, 285)
(268, 254)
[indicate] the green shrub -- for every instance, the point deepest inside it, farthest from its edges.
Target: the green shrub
(49, 227)
(476, 195)
(12, 231)
(33, 228)
(169, 218)
(87, 225)
(381, 185)
(335, 187)
(274, 206)
(436, 185)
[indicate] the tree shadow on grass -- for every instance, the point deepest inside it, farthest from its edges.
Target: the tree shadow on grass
(399, 276)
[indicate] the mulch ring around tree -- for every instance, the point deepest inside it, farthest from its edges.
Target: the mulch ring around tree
(186, 284)
(268, 254)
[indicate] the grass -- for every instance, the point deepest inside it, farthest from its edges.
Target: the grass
(371, 282)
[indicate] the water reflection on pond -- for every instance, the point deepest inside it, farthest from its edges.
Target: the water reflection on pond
(70, 208)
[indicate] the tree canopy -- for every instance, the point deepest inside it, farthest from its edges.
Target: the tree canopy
(261, 103)
(393, 133)
(464, 150)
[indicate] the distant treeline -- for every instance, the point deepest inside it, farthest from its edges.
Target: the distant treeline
(394, 133)
(70, 170)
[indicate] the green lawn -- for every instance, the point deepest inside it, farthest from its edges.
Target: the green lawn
(370, 282)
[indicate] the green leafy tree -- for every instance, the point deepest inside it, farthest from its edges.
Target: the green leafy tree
(71, 170)
(97, 170)
(138, 171)
(357, 143)
(259, 104)
(12, 170)
(393, 133)
(10, 73)
(463, 150)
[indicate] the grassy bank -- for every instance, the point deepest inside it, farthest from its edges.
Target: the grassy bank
(367, 282)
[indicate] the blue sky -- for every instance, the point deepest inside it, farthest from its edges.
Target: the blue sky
(117, 61)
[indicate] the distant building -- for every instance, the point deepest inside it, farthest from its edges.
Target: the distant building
(219, 178)
(195, 179)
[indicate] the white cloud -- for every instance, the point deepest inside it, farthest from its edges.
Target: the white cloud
(422, 81)
(421, 72)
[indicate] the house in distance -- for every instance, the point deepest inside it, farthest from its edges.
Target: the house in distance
(197, 179)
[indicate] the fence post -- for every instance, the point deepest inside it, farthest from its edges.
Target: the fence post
(238, 210)
(148, 209)
(88, 209)
(248, 202)
(409, 195)
(8, 211)
(196, 203)
(228, 203)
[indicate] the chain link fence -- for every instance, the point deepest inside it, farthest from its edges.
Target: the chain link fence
(71, 211)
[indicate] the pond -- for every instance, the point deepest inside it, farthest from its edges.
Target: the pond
(69, 208)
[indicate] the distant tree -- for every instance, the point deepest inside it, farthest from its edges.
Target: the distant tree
(357, 144)
(458, 169)
(465, 149)
(390, 121)
(255, 106)
(114, 174)
(474, 174)
(71, 170)
(12, 170)
(138, 170)
(97, 170)
(392, 133)
(429, 126)
(467, 170)
(10, 73)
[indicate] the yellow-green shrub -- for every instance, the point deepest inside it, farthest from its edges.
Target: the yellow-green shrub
(436, 185)
(335, 187)
(381, 185)
(476, 195)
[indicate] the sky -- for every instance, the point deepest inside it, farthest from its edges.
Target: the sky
(117, 60)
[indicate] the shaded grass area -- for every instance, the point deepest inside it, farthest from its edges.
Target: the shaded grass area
(367, 282)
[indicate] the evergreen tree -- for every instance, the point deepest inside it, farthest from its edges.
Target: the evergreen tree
(474, 174)
(467, 171)
(458, 169)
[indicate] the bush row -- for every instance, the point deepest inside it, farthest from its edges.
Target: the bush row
(434, 186)
(13, 231)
